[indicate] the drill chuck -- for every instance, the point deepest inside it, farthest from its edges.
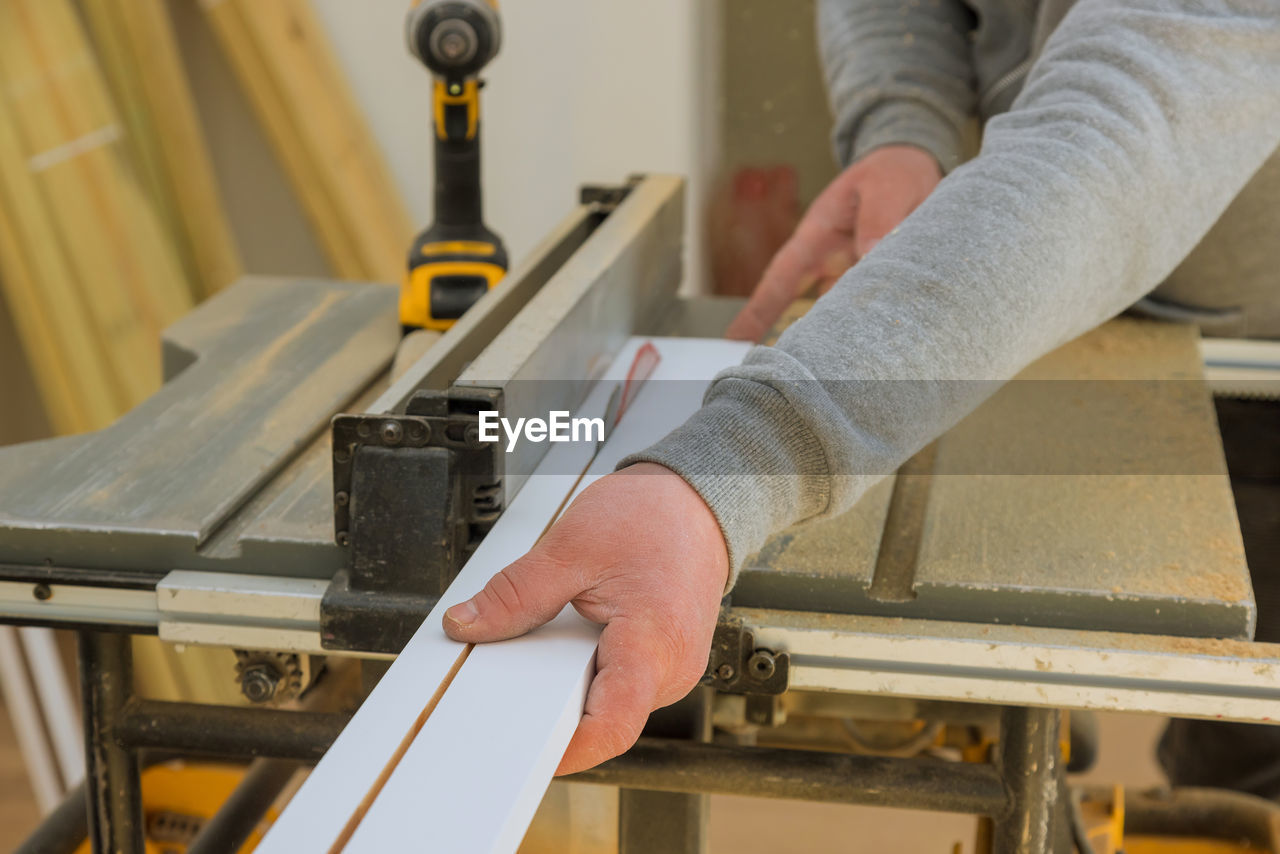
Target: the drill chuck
(457, 259)
(455, 39)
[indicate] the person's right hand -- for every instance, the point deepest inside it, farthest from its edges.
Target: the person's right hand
(863, 204)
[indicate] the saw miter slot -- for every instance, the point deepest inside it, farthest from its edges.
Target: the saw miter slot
(437, 750)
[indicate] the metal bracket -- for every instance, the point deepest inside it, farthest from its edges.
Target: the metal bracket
(413, 496)
(738, 666)
(606, 197)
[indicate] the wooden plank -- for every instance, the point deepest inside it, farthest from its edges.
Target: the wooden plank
(282, 57)
(473, 778)
(140, 54)
(387, 751)
(125, 273)
(78, 390)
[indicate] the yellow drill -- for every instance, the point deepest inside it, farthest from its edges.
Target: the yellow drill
(457, 259)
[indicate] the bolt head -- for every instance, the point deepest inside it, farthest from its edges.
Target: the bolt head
(392, 432)
(761, 665)
(258, 683)
(725, 672)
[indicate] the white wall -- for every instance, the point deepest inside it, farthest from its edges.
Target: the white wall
(582, 91)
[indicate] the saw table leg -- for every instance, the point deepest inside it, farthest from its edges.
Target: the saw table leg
(112, 776)
(1031, 766)
(653, 822)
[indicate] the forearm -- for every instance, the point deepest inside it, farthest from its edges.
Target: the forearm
(1139, 124)
(897, 76)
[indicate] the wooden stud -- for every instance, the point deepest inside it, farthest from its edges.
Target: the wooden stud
(285, 64)
(78, 391)
(140, 54)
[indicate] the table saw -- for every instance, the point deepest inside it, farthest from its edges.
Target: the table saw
(1071, 545)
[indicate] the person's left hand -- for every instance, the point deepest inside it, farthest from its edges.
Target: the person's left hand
(640, 552)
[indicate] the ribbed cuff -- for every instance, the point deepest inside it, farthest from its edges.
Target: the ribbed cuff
(758, 467)
(905, 122)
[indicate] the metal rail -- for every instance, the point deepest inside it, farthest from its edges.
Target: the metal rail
(664, 765)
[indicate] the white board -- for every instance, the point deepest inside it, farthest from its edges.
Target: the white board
(463, 769)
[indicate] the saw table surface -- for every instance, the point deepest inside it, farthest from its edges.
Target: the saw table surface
(1093, 494)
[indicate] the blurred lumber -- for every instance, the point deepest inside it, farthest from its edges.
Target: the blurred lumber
(286, 66)
(139, 50)
(89, 275)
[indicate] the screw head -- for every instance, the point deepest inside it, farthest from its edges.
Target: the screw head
(341, 455)
(472, 435)
(419, 432)
(725, 672)
(761, 665)
(392, 432)
(343, 538)
(341, 499)
(363, 430)
(259, 682)
(42, 592)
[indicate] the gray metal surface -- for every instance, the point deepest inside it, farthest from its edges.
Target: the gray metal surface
(1084, 497)
(623, 279)
(264, 365)
(1024, 665)
(288, 527)
(228, 469)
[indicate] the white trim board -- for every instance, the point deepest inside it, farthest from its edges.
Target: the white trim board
(454, 748)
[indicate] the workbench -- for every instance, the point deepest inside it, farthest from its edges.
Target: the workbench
(1072, 544)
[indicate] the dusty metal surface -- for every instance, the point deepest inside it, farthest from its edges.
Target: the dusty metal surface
(1024, 665)
(1084, 498)
(263, 366)
(622, 279)
(1092, 493)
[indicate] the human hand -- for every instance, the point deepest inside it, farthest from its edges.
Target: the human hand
(863, 204)
(640, 552)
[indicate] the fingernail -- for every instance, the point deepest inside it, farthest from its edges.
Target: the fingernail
(464, 613)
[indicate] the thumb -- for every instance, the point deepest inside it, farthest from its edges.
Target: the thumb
(517, 600)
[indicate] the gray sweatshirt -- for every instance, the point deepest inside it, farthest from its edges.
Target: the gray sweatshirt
(1138, 123)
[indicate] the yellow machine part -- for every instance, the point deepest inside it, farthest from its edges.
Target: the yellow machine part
(465, 95)
(178, 797)
(1182, 845)
(415, 292)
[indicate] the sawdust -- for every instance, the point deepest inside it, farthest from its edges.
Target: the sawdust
(1225, 648)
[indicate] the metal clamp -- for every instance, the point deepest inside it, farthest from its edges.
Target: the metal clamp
(413, 496)
(606, 197)
(738, 666)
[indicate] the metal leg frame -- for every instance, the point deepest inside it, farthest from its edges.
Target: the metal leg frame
(674, 822)
(666, 781)
(1031, 767)
(119, 725)
(111, 770)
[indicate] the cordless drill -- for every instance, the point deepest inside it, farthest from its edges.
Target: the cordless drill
(457, 259)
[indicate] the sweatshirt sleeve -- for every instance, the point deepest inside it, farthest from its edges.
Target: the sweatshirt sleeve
(1138, 125)
(898, 72)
